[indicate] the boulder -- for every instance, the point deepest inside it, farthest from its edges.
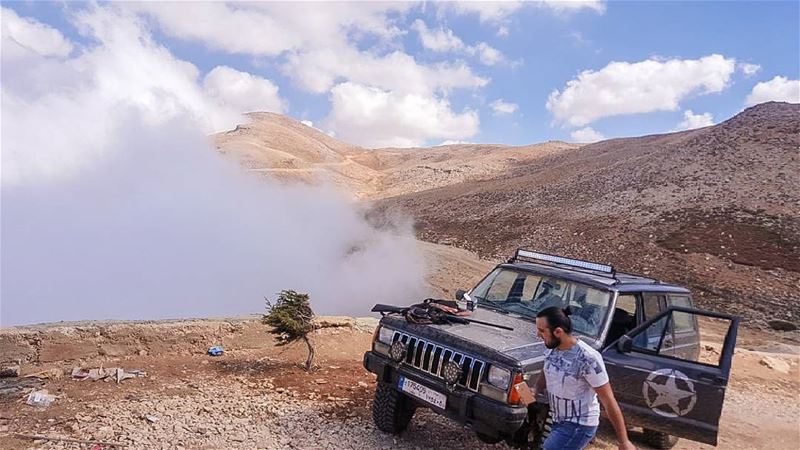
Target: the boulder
(782, 325)
(775, 364)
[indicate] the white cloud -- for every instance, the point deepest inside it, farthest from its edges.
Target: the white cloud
(586, 135)
(488, 54)
(498, 11)
(749, 69)
(23, 37)
(319, 70)
(487, 11)
(630, 88)
(443, 40)
(271, 28)
(501, 107)
(439, 40)
(597, 6)
(778, 89)
(452, 142)
(125, 71)
(502, 32)
(691, 121)
(242, 91)
(307, 123)
(374, 117)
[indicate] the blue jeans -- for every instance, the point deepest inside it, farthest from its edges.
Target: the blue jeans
(569, 436)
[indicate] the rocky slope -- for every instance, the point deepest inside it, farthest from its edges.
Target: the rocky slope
(715, 208)
(283, 148)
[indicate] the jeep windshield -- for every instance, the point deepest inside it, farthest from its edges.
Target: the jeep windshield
(526, 294)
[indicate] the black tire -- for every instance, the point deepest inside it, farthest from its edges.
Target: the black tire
(659, 440)
(535, 431)
(391, 410)
(488, 439)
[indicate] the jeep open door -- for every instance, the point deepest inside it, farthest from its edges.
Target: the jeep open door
(661, 386)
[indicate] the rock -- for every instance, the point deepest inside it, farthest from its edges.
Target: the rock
(321, 381)
(775, 364)
(782, 325)
(363, 384)
(9, 371)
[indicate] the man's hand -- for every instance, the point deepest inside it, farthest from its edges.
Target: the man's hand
(606, 396)
(526, 396)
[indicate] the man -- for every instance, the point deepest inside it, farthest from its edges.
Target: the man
(574, 376)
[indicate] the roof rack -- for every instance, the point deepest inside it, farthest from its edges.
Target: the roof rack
(578, 265)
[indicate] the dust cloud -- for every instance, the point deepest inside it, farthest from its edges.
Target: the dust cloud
(115, 205)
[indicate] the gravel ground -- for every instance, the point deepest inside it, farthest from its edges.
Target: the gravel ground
(246, 415)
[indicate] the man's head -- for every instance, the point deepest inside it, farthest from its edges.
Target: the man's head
(553, 325)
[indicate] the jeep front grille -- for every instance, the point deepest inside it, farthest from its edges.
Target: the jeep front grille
(430, 357)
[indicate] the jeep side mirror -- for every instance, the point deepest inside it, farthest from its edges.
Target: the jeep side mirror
(624, 344)
(460, 294)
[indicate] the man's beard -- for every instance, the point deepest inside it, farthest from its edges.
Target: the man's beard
(554, 342)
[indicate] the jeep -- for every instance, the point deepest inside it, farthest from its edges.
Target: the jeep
(668, 363)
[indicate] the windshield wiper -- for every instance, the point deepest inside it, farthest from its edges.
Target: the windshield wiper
(495, 305)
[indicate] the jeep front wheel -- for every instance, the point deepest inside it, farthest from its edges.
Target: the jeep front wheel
(659, 440)
(391, 410)
(535, 430)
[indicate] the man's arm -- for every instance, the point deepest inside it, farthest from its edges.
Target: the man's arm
(606, 396)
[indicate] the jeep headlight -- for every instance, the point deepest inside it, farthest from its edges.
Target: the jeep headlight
(385, 335)
(499, 377)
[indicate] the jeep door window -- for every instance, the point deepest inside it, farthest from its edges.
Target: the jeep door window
(685, 329)
(653, 305)
(684, 323)
(623, 318)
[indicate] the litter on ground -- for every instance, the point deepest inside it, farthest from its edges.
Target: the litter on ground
(109, 374)
(41, 399)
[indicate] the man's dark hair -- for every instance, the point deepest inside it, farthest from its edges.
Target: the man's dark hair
(557, 318)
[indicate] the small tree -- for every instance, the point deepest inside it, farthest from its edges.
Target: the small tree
(291, 318)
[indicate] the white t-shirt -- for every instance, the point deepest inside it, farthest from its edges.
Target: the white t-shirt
(571, 376)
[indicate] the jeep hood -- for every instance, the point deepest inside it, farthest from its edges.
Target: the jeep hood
(521, 344)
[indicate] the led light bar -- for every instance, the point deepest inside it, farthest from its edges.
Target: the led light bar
(527, 254)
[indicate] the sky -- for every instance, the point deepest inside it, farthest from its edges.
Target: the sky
(423, 74)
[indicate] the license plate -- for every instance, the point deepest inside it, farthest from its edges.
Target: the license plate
(421, 392)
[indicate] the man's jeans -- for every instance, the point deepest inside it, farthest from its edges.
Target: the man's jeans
(569, 436)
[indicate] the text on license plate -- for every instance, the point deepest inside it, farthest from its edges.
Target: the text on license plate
(421, 392)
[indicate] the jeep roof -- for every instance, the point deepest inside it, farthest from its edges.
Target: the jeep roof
(599, 276)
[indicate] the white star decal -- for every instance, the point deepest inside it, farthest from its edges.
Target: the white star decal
(668, 394)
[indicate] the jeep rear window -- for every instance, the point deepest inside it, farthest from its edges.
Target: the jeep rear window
(526, 294)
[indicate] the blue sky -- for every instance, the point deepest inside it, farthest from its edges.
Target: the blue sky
(709, 58)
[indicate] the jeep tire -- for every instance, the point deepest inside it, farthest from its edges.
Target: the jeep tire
(659, 440)
(535, 430)
(391, 410)
(488, 438)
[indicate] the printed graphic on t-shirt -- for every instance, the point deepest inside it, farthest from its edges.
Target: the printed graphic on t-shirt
(571, 376)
